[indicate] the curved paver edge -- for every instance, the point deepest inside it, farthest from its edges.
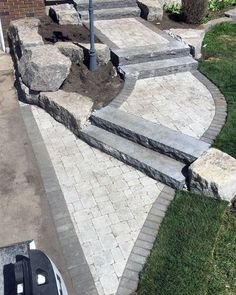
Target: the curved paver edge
(77, 265)
(220, 109)
(144, 243)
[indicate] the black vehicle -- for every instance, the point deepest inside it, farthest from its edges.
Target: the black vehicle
(32, 273)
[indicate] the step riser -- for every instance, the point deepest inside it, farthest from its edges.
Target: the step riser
(151, 172)
(161, 72)
(143, 140)
(142, 58)
(108, 16)
(107, 5)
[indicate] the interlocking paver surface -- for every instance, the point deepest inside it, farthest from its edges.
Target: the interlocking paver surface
(178, 101)
(108, 200)
(129, 32)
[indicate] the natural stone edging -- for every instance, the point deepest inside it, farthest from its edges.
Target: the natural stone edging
(220, 109)
(144, 243)
(203, 29)
(77, 265)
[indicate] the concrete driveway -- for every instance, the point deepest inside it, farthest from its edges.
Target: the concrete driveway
(24, 210)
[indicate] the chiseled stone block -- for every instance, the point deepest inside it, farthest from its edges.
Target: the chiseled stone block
(214, 175)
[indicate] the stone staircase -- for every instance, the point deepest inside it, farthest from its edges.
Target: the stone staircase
(108, 9)
(156, 150)
(162, 153)
(159, 67)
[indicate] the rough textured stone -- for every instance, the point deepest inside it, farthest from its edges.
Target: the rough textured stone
(151, 10)
(214, 175)
(24, 33)
(231, 13)
(69, 49)
(102, 52)
(154, 136)
(28, 95)
(154, 164)
(64, 14)
(44, 68)
(193, 37)
(70, 108)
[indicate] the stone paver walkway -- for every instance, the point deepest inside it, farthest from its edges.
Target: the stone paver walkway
(129, 33)
(178, 101)
(108, 200)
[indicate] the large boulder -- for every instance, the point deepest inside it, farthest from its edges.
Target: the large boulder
(69, 49)
(214, 175)
(44, 68)
(69, 108)
(24, 33)
(103, 53)
(151, 9)
(64, 14)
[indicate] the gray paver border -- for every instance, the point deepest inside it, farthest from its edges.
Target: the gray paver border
(129, 84)
(77, 265)
(220, 109)
(144, 243)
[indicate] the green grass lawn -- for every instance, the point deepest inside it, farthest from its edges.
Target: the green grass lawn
(195, 251)
(219, 65)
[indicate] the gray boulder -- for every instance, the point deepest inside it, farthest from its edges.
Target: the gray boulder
(214, 175)
(24, 33)
(74, 52)
(44, 68)
(102, 52)
(151, 9)
(64, 14)
(69, 108)
(27, 95)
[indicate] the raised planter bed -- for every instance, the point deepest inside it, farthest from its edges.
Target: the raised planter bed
(54, 58)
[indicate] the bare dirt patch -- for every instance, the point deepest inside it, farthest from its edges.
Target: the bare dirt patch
(52, 32)
(103, 85)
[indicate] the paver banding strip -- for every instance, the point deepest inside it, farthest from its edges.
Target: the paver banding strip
(219, 119)
(141, 250)
(74, 256)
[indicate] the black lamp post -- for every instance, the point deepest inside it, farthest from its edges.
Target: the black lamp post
(92, 51)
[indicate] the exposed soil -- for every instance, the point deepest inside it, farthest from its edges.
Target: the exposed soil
(176, 21)
(52, 32)
(102, 86)
(173, 21)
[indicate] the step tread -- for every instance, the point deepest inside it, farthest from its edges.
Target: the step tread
(150, 133)
(144, 156)
(159, 64)
(112, 11)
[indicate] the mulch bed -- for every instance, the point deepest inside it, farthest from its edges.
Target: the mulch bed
(100, 85)
(103, 85)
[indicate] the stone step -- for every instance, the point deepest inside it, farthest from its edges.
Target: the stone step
(137, 55)
(111, 13)
(82, 5)
(154, 164)
(159, 67)
(154, 136)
